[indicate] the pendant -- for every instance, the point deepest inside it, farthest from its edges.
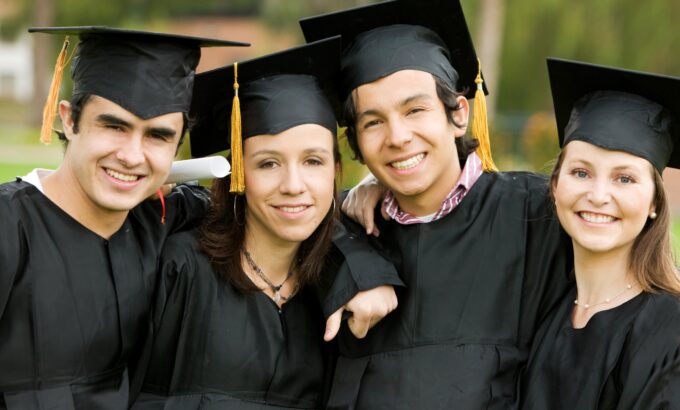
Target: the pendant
(277, 296)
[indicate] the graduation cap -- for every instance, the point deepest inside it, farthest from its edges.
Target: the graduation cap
(427, 35)
(616, 109)
(270, 95)
(147, 73)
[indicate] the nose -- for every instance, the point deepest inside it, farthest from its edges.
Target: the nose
(293, 181)
(599, 192)
(399, 134)
(131, 151)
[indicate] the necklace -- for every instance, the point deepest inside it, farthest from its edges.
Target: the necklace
(276, 289)
(608, 300)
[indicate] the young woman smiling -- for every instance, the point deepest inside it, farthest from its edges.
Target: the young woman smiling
(614, 341)
(237, 323)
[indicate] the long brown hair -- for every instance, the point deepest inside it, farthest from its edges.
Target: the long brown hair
(222, 235)
(651, 258)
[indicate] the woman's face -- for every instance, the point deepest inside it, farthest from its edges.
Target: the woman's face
(289, 180)
(603, 198)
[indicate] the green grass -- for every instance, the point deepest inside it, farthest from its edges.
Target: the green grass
(9, 171)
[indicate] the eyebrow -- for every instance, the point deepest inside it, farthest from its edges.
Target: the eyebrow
(111, 119)
(616, 168)
(274, 152)
(404, 102)
(421, 96)
(161, 132)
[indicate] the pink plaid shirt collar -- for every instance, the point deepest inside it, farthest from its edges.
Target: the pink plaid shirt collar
(470, 173)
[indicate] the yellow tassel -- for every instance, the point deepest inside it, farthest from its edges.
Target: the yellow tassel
(238, 184)
(480, 126)
(50, 109)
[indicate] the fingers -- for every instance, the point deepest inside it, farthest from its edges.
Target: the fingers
(383, 212)
(333, 325)
(369, 307)
(368, 222)
(359, 325)
(361, 201)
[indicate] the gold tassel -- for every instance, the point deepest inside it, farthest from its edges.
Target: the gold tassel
(480, 126)
(50, 109)
(237, 177)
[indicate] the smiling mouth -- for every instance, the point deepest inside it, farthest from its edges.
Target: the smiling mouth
(596, 218)
(120, 176)
(293, 209)
(409, 163)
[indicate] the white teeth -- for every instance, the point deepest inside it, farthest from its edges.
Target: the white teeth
(293, 209)
(596, 218)
(409, 163)
(122, 177)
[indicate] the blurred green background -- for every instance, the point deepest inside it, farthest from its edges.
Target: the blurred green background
(512, 38)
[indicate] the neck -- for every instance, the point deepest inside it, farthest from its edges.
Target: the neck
(601, 275)
(275, 258)
(430, 200)
(62, 188)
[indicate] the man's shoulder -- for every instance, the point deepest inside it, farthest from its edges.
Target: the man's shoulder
(8, 189)
(520, 181)
(11, 193)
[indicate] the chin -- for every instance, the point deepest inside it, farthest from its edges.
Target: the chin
(120, 204)
(296, 236)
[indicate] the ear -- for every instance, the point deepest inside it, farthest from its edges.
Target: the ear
(66, 118)
(461, 117)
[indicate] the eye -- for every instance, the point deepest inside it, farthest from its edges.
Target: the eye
(161, 137)
(625, 179)
(314, 161)
(267, 164)
(114, 127)
(371, 123)
(580, 173)
(415, 110)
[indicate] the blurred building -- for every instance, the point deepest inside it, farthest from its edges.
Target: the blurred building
(16, 69)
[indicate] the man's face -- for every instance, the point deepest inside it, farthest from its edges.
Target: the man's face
(406, 140)
(117, 159)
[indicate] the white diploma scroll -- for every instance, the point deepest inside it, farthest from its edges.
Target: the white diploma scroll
(199, 168)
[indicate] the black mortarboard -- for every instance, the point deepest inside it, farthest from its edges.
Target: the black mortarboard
(275, 92)
(617, 109)
(382, 38)
(147, 73)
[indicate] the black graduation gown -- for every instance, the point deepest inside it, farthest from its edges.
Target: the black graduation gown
(217, 347)
(74, 307)
(478, 282)
(627, 357)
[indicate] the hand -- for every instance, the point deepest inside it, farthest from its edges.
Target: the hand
(361, 201)
(367, 308)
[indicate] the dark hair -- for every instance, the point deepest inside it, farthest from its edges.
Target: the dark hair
(222, 235)
(465, 145)
(651, 258)
(78, 103)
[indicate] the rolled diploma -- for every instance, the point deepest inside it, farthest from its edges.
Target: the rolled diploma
(199, 168)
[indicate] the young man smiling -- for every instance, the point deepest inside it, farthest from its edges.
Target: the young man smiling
(482, 258)
(78, 251)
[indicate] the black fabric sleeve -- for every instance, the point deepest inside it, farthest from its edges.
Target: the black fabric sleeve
(12, 250)
(359, 267)
(185, 207)
(651, 366)
(175, 277)
(549, 260)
